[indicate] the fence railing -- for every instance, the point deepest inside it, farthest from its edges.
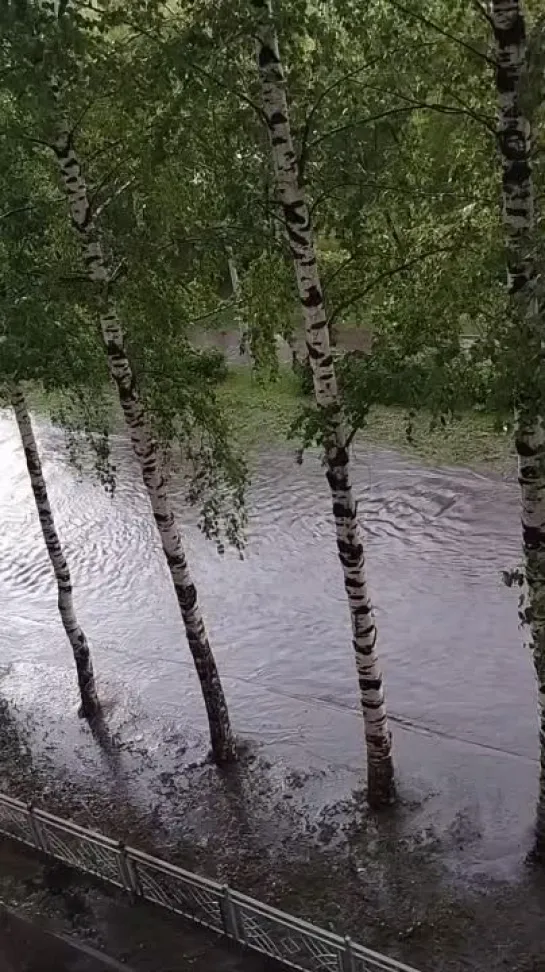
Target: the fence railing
(290, 940)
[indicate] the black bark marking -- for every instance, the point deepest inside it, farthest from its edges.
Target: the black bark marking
(353, 583)
(313, 352)
(266, 56)
(533, 538)
(525, 449)
(293, 214)
(277, 118)
(296, 239)
(362, 611)
(354, 550)
(370, 684)
(342, 512)
(339, 457)
(187, 597)
(313, 298)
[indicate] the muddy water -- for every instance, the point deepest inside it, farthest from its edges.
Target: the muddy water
(460, 686)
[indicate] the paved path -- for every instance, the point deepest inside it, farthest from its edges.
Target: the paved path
(64, 903)
(24, 947)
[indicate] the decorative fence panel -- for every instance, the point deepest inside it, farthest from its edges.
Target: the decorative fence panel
(274, 933)
(183, 892)
(82, 849)
(16, 821)
(289, 940)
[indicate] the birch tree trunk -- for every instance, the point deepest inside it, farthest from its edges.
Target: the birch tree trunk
(235, 288)
(80, 647)
(349, 538)
(145, 449)
(519, 224)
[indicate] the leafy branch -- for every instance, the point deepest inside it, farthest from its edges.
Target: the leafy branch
(427, 22)
(386, 275)
(349, 75)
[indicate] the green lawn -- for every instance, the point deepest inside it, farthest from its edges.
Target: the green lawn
(263, 414)
(260, 413)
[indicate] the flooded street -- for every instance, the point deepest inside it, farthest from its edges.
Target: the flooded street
(460, 686)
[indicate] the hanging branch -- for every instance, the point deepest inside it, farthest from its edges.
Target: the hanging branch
(443, 32)
(386, 274)
(14, 212)
(303, 152)
(416, 106)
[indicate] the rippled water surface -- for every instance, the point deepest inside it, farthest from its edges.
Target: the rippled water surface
(437, 541)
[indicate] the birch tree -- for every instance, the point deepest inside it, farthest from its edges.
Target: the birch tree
(41, 342)
(518, 214)
(74, 632)
(348, 533)
(145, 447)
(58, 55)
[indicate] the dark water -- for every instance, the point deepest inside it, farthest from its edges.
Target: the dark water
(459, 683)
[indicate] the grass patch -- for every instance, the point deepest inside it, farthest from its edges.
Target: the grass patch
(262, 414)
(470, 440)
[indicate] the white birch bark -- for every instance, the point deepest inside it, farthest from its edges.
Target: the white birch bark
(233, 273)
(235, 288)
(145, 449)
(518, 212)
(74, 633)
(349, 538)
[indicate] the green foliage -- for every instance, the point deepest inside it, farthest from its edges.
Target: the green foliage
(393, 111)
(264, 415)
(166, 248)
(268, 301)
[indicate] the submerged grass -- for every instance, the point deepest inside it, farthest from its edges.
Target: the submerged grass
(260, 412)
(263, 413)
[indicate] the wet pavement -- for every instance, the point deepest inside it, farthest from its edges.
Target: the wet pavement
(66, 922)
(24, 947)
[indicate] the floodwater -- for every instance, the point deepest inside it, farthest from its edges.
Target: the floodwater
(460, 686)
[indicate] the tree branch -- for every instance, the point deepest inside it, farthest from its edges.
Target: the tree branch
(386, 274)
(106, 179)
(14, 212)
(444, 33)
(362, 121)
(442, 109)
(234, 91)
(417, 106)
(115, 195)
(203, 72)
(338, 270)
(303, 153)
(35, 141)
(483, 11)
(225, 305)
(380, 187)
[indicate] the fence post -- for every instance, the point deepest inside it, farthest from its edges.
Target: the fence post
(348, 962)
(128, 873)
(230, 916)
(37, 832)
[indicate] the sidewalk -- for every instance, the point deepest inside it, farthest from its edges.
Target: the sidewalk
(143, 937)
(24, 947)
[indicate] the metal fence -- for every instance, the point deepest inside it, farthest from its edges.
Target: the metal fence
(255, 925)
